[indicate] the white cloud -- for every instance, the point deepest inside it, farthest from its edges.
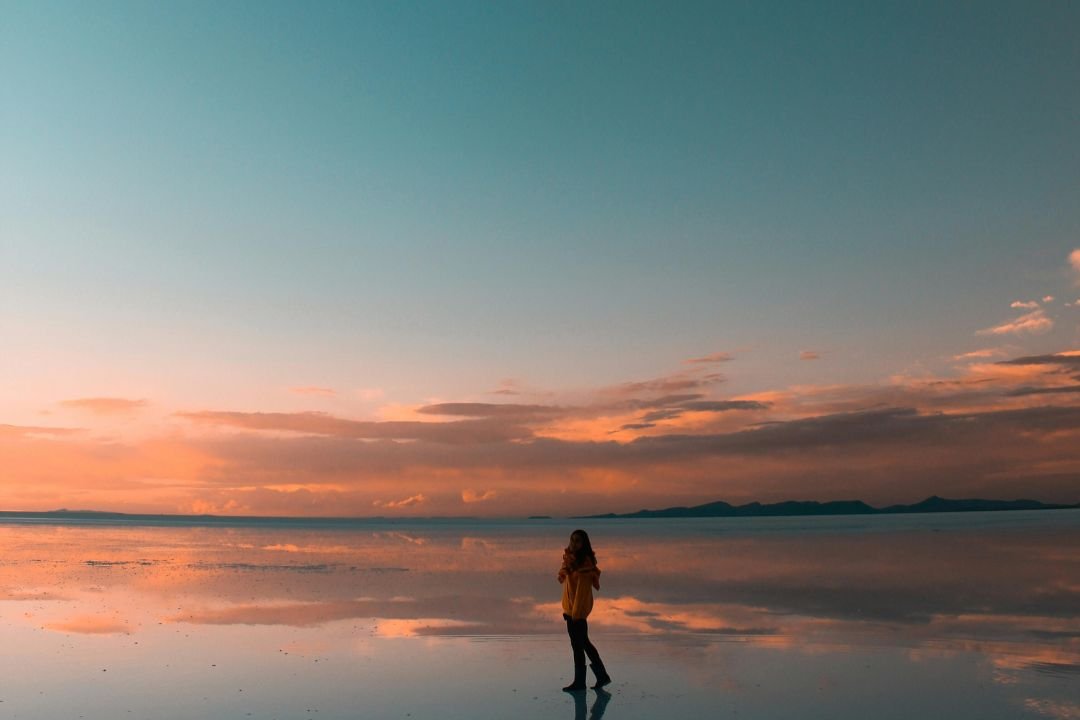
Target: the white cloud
(1024, 304)
(1033, 323)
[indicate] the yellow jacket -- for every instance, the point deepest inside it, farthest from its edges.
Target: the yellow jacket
(577, 587)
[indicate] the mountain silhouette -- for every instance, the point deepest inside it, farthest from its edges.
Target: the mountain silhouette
(790, 508)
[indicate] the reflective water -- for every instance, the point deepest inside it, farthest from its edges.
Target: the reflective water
(958, 615)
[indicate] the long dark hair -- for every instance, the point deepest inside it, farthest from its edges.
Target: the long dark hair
(586, 550)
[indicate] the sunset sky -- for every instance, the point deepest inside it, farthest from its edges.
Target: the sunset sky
(536, 258)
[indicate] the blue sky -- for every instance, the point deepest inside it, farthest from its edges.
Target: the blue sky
(206, 203)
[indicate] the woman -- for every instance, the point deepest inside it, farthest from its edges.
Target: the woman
(579, 575)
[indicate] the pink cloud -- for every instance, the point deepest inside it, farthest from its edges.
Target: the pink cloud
(313, 390)
(318, 423)
(716, 357)
(507, 386)
(809, 355)
(1024, 305)
(105, 405)
(1033, 323)
(1074, 262)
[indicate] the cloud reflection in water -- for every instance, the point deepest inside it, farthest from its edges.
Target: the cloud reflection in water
(1005, 594)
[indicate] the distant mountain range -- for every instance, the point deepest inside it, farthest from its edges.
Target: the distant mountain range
(789, 508)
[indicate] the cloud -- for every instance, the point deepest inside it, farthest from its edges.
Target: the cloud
(723, 405)
(28, 430)
(1059, 710)
(492, 410)
(716, 357)
(984, 354)
(507, 386)
(1069, 358)
(1008, 428)
(405, 502)
(1025, 305)
(809, 355)
(827, 431)
(637, 426)
(89, 625)
(318, 423)
(1074, 261)
(105, 405)
(475, 496)
(1034, 323)
(1020, 392)
(313, 390)
(1048, 299)
(668, 384)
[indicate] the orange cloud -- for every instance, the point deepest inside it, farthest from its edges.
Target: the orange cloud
(27, 430)
(403, 503)
(984, 354)
(998, 429)
(809, 355)
(475, 496)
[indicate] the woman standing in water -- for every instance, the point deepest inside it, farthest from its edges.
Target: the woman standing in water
(579, 575)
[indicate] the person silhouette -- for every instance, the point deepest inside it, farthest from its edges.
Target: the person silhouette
(579, 575)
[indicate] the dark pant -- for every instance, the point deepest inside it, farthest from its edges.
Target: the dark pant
(578, 630)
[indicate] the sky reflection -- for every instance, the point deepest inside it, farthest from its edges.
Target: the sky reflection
(1001, 596)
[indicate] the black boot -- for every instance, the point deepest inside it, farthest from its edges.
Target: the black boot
(579, 680)
(602, 678)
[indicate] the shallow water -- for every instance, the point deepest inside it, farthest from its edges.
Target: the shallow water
(954, 615)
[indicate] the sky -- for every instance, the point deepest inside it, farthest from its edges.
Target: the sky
(536, 258)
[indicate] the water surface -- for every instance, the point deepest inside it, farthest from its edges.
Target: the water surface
(955, 615)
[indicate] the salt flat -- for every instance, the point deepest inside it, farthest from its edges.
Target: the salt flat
(957, 615)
